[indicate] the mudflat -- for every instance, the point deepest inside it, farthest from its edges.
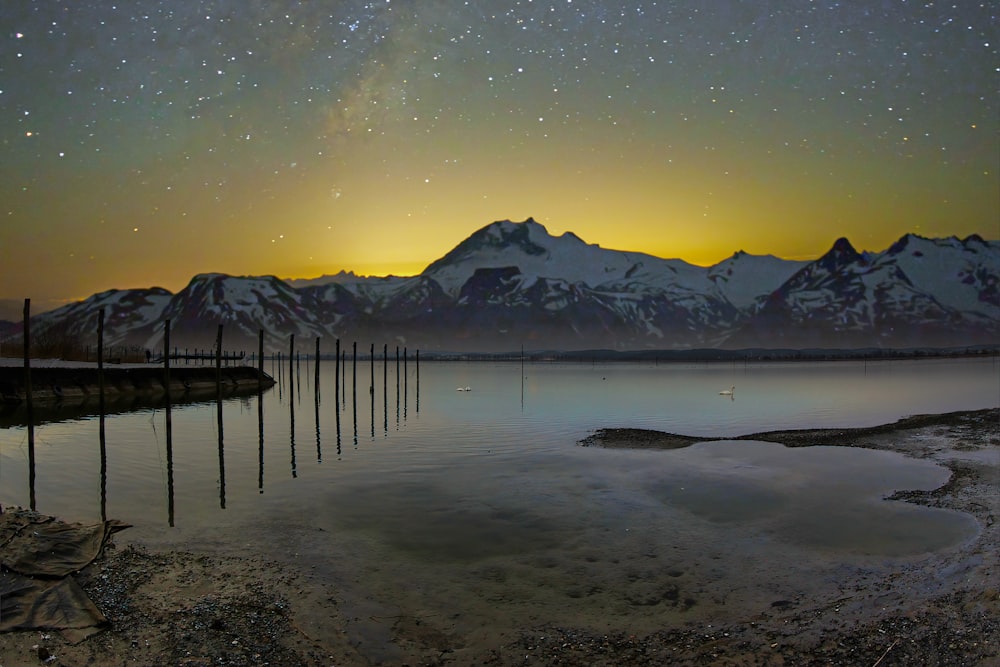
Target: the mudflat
(203, 606)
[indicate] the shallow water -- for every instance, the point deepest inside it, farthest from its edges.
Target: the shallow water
(431, 498)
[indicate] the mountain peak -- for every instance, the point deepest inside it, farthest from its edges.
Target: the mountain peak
(502, 235)
(843, 246)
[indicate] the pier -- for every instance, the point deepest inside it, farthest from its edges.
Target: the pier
(82, 383)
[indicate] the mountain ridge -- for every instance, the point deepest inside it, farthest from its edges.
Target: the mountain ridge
(512, 283)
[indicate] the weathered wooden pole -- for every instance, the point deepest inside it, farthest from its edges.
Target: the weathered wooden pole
(260, 356)
(371, 353)
(27, 355)
(354, 369)
(218, 360)
(166, 357)
(100, 356)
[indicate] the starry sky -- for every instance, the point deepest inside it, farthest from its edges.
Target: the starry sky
(146, 141)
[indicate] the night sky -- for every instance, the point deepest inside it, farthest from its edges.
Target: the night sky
(144, 142)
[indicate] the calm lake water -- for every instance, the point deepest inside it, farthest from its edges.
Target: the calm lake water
(509, 431)
(486, 494)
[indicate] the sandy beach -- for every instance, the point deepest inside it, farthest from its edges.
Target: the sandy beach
(204, 605)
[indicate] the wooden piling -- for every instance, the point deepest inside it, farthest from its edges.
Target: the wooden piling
(27, 355)
(100, 356)
(218, 360)
(260, 353)
(166, 357)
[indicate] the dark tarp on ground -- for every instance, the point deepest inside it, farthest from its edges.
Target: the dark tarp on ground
(37, 555)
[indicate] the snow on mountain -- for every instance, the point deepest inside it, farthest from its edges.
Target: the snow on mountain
(124, 312)
(512, 283)
(243, 305)
(899, 297)
(537, 254)
(963, 274)
(744, 278)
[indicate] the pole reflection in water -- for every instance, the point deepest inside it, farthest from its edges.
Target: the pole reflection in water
(354, 408)
(169, 423)
(31, 462)
(336, 397)
(222, 454)
(291, 417)
(336, 410)
(371, 390)
(385, 390)
(170, 462)
(319, 446)
(104, 458)
(260, 439)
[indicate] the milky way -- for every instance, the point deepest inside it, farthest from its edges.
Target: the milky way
(144, 142)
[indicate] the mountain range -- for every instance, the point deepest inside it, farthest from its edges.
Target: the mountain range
(512, 284)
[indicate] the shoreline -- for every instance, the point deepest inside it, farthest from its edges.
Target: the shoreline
(201, 607)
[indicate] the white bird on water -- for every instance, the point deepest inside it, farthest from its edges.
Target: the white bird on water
(463, 388)
(728, 392)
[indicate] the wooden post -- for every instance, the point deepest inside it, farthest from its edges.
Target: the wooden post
(166, 356)
(316, 379)
(100, 356)
(371, 387)
(27, 355)
(218, 361)
(260, 355)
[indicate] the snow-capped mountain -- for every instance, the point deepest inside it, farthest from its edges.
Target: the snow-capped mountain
(918, 292)
(512, 283)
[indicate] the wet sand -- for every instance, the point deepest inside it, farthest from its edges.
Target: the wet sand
(208, 605)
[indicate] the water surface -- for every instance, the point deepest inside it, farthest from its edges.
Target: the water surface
(431, 497)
